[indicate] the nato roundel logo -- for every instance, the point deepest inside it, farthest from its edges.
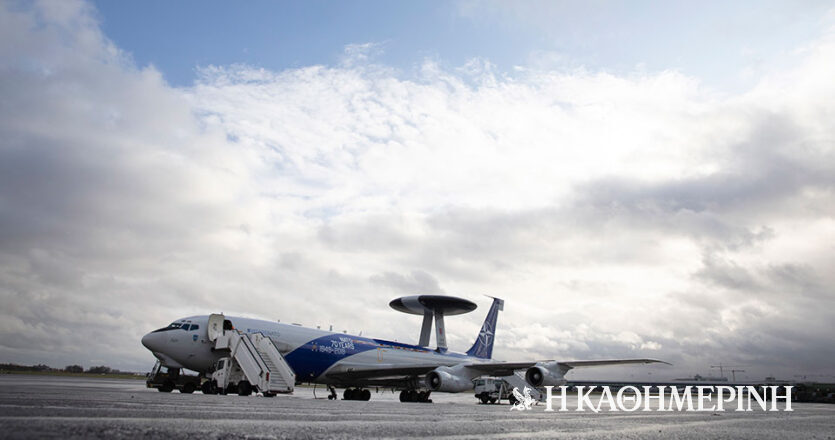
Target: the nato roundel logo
(194, 338)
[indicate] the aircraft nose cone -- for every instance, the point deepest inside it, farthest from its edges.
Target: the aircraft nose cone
(150, 342)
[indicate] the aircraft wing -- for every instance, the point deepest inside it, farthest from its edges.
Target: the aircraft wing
(383, 374)
(575, 364)
(378, 371)
(398, 375)
(500, 368)
(385, 371)
(508, 368)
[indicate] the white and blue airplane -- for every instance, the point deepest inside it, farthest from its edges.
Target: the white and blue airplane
(340, 360)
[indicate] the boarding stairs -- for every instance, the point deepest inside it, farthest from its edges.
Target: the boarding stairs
(281, 377)
(259, 360)
(517, 380)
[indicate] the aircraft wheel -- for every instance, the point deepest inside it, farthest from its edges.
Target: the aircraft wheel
(365, 395)
(484, 400)
(166, 387)
(403, 396)
(348, 394)
(188, 388)
(244, 388)
(493, 401)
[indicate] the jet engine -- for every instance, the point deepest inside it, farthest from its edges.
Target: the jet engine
(545, 374)
(449, 380)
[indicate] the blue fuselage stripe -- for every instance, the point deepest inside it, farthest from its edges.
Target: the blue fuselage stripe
(312, 359)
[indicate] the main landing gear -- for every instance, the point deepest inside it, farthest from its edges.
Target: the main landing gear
(356, 394)
(415, 396)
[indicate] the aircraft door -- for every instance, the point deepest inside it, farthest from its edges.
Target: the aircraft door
(215, 326)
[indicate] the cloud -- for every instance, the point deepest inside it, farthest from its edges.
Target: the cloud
(418, 282)
(634, 215)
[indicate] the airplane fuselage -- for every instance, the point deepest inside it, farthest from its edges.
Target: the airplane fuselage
(311, 353)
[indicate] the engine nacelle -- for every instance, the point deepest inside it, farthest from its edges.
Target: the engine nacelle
(449, 380)
(545, 374)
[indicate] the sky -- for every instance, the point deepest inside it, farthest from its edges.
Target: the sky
(635, 179)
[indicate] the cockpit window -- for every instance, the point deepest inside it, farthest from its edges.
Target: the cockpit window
(172, 326)
(194, 327)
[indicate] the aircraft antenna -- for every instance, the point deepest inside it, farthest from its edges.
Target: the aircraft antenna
(432, 308)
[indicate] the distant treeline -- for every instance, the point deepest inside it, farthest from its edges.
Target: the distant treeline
(101, 369)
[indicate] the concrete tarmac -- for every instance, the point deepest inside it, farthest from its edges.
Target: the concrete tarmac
(68, 407)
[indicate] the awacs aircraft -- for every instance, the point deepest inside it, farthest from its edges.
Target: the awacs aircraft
(340, 360)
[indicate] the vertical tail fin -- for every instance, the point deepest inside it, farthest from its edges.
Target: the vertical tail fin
(483, 346)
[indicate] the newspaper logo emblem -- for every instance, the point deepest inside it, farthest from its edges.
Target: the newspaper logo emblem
(523, 401)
